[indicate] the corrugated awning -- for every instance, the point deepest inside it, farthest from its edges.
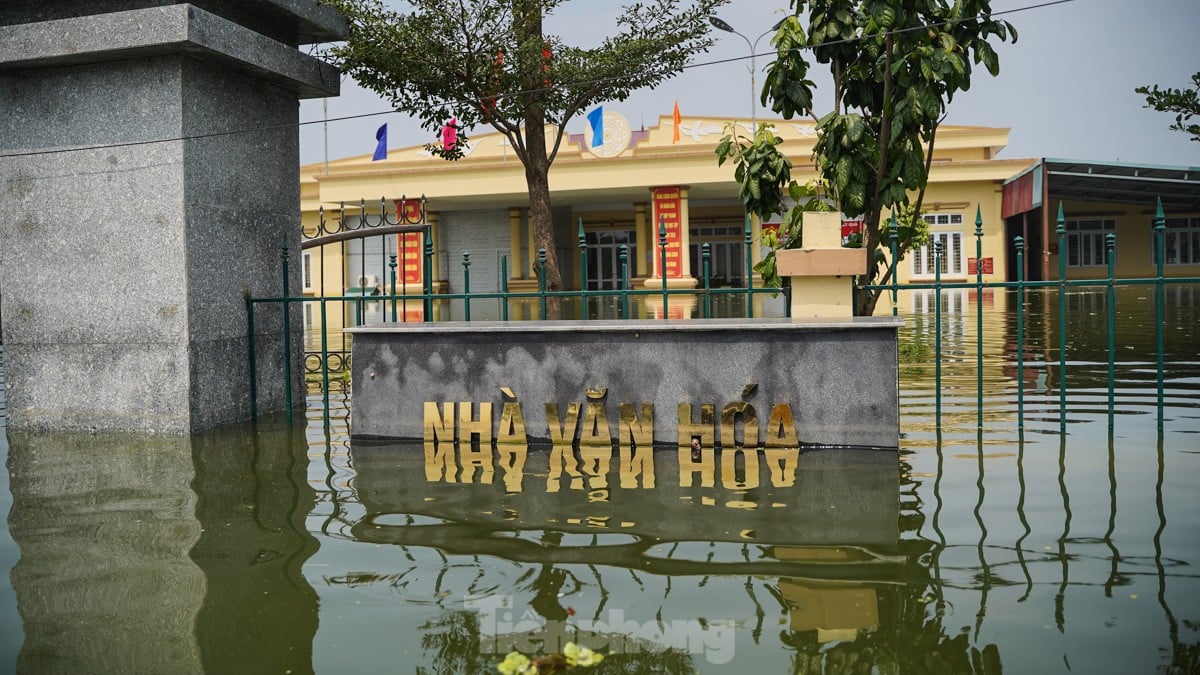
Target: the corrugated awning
(1070, 180)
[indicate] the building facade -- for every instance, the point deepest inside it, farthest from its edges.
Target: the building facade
(619, 192)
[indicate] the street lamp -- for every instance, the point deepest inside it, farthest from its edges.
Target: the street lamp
(721, 25)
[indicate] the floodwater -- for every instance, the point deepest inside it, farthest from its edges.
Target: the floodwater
(1063, 540)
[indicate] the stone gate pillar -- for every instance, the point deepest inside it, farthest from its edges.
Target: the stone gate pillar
(148, 173)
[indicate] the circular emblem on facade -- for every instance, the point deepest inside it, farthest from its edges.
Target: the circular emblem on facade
(617, 135)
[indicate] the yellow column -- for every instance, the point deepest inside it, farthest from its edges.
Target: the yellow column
(685, 236)
(644, 240)
(514, 241)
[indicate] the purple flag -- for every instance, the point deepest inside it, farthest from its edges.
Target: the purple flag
(381, 144)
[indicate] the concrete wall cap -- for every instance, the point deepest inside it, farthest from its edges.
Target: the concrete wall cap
(175, 29)
(634, 326)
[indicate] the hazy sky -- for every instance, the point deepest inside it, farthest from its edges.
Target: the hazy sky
(1065, 88)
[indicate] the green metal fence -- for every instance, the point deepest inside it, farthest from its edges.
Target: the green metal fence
(1110, 282)
(705, 295)
(393, 297)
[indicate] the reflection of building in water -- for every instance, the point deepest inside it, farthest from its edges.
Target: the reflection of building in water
(837, 613)
(104, 582)
(162, 554)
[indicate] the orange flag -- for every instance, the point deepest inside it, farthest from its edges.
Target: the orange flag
(678, 119)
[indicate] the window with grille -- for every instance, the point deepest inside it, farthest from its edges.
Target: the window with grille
(1085, 241)
(1181, 242)
(952, 262)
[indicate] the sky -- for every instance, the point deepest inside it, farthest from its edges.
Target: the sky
(1065, 88)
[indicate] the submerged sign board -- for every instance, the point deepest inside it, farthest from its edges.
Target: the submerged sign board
(766, 382)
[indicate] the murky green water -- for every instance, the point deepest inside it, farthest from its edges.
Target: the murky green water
(285, 549)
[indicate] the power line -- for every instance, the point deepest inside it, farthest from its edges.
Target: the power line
(344, 118)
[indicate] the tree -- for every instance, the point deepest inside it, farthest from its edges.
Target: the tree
(895, 67)
(1185, 103)
(489, 63)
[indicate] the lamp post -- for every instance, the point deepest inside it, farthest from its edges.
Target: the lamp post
(721, 25)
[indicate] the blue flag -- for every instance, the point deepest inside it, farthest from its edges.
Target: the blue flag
(596, 119)
(381, 144)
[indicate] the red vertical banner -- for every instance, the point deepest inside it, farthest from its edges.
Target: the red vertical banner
(668, 210)
(411, 245)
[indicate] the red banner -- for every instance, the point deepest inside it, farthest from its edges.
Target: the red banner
(667, 210)
(850, 227)
(411, 245)
(973, 266)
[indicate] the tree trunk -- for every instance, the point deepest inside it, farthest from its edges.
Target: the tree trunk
(540, 217)
(537, 162)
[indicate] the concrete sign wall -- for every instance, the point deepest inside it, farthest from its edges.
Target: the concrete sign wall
(774, 383)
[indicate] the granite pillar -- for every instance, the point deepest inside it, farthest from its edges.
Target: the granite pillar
(148, 162)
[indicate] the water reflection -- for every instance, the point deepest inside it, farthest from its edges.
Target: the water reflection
(153, 554)
(1015, 548)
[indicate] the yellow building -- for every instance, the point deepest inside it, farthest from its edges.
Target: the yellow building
(620, 189)
(1099, 199)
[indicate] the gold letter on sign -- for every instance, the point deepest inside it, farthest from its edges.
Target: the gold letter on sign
(729, 415)
(512, 425)
(596, 431)
(468, 426)
(689, 429)
(641, 433)
(439, 426)
(781, 429)
(559, 430)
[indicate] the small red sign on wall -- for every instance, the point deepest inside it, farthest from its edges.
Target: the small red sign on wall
(973, 266)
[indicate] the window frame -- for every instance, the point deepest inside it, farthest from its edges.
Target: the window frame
(921, 259)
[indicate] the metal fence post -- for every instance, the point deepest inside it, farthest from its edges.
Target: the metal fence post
(662, 246)
(937, 332)
(706, 262)
(392, 272)
(1160, 249)
(1062, 320)
(427, 277)
(894, 240)
(541, 263)
(325, 364)
(466, 285)
(504, 287)
(1110, 249)
(749, 271)
(583, 274)
(978, 319)
(1019, 244)
(623, 257)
